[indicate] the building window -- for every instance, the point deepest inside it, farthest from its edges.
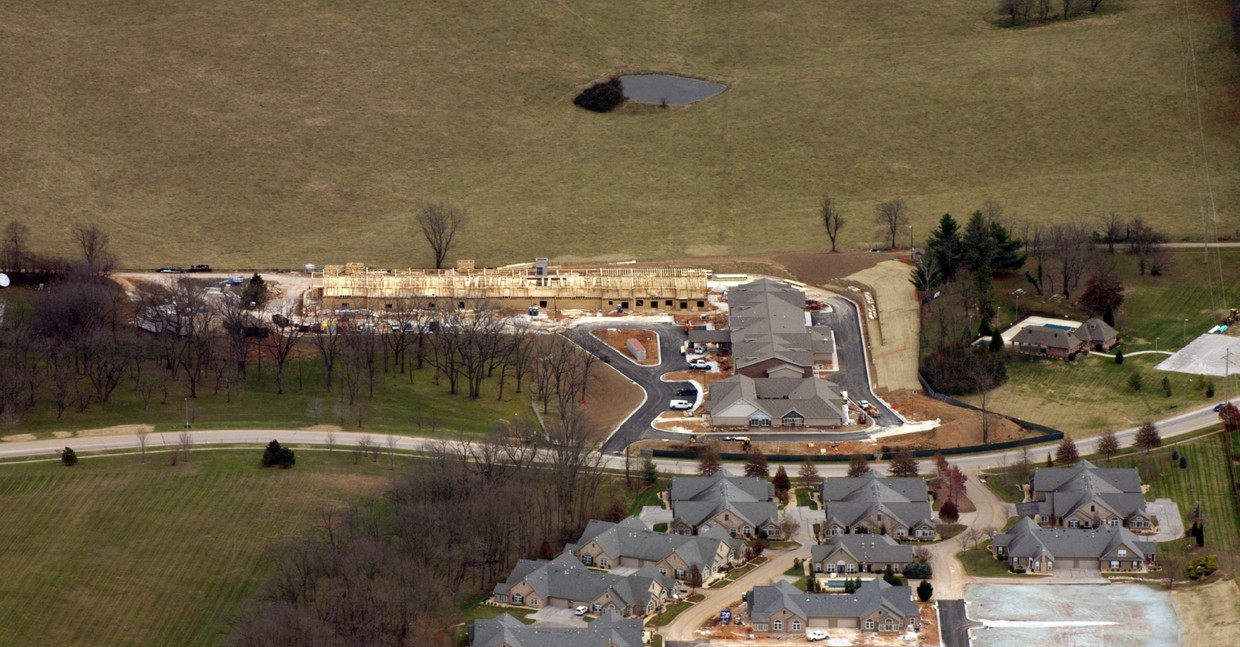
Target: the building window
(900, 532)
(604, 563)
(684, 305)
(668, 303)
(588, 560)
(597, 607)
(517, 598)
(641, 302)
(869, 623)
(679, 573)
(533, 602)
(778, 625)
(663, 572)
(817, 568)
(1113, 522)
(760, 627)
(1073, 523)
(1114, 564)
(747, 530)
(796, 625)
(387, 306)
(1123, 552)
(850, 568)
(830, 568)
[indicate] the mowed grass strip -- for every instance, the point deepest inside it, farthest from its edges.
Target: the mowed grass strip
(117, 552)
(248, 133)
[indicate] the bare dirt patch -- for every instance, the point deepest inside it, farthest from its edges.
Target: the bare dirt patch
(17, 438)
(610, 398)
(618, 339)
(1210, 614)
(958, 427)
(118, 430)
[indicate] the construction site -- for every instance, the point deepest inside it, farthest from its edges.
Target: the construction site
(356, 286)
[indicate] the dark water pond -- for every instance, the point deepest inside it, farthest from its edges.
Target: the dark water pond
(675, 90)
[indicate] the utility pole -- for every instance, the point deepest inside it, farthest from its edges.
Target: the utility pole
(1184, 332)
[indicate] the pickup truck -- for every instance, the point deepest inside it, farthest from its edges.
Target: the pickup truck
(700, 364)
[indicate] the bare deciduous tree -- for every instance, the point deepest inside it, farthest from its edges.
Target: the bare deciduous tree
(97, 258)
(16, 247)
(892, 216)
(1112, 230)
(284, 338)
(439, 222)
(832, 219)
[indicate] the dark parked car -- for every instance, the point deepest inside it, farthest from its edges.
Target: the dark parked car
(199, 268)
(688, 390)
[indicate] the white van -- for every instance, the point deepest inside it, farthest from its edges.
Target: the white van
(680, 405)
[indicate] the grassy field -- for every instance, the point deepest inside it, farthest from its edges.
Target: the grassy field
(1093, 395)
(1207, 481)
(248, 133)
(116, 552)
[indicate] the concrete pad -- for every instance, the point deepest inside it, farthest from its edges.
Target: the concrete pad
(1205, 355)
(1010, 334)
(1116, 615)
(650, 515)
(1170, 522)
(557, 617)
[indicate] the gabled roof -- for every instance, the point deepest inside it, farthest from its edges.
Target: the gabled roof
(849, 500)
(1026, 539)
(1095, 331)
(609, 629)
(631, 538)
(1066, 489)
(720, 486)
(866, 548)
(565, 577)
(1049, 337)
(768, 322)
(741, 396)
(873, 595)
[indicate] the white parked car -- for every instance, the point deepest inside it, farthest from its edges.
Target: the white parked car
(680, 405)
(582, 610)
(816, 634)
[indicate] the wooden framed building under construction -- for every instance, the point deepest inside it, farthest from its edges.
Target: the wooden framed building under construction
(356, 286)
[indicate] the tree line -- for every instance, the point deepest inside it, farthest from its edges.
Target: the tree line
(394, 571)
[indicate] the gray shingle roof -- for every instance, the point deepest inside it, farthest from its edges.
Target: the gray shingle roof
(1095, 331)
(766, 600)
(768, 321)
(631, 538)
(1026, 539)
(1066, 489)
(865, 548)
(609, 629)
(565, 577)
(720, 486)
(813, 398)
(1049, 337)
(849, 500)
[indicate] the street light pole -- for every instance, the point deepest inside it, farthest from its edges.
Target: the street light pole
(1156, 343)
(187, 413)
(1184, 332)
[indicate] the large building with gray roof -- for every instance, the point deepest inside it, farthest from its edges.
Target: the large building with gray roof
(566, 582)
(609, 630)
(782, 608)
(1043, 550)
(776, 352)
(743, 507)
(864, 553)
(1087, 496)
(630, 544)
(899, 507)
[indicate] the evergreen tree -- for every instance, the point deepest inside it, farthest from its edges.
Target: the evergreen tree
(1108, 315)
(996, 342)
(1008, 257)
(944, 244)
(978, 248)
(277, 456)
(781, 481)
(925, 591)
(68, 457)
(1119, 357)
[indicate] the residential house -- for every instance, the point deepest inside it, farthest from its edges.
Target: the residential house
(1049, 341)
(743, 401)
(1086, 496)
(782, 608)
(865, 553)
(1041, 550)
(609, 630)
(1097, 335)
(566, 582)
(898, 507)
(631, 544)
(742, 507)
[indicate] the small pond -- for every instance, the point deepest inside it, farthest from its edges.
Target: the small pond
(674, 90)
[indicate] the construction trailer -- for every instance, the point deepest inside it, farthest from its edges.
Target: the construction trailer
(608, 289)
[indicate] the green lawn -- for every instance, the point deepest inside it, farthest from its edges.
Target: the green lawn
(397, 403)
(648, 496)
(257, 134)
(1092, 395)
(1205, 481)
(117, 552)
(805, 500)
(669, 614)
(978, 562)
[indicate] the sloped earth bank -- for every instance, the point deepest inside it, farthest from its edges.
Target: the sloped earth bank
(1210, 614)
(1116, 615)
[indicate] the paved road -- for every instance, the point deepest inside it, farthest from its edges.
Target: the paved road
(954, 624)
(854, 374)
